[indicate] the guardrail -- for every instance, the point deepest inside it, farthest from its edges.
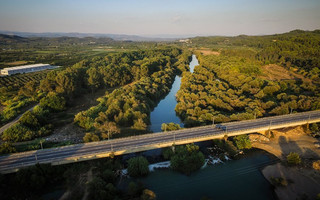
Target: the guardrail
(132, 143)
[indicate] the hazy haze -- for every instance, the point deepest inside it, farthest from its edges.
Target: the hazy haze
(161, 17)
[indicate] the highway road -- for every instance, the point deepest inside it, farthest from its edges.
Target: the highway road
(79, 152)
(8, 125)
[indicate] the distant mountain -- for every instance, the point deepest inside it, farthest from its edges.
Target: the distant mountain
(119, 37)
(9, 39)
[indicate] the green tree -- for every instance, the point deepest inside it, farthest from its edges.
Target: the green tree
(138, 166)
(243, 142)
(170, 126)
(107, 129)
(53, 101)
(17, 133)
(139, 124)
(7, 147)
(29, 90)
(293, 159)
(29, 119)
(187, 159)
(91, 137)
(94, 78)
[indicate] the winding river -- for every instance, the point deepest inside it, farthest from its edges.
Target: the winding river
(164, 112)
(237, 179)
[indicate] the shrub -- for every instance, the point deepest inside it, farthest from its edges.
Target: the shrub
(53, 101)
(7, 147)
(17, 133)
(170, 127)
(316, 165)
(29, 119)
(243, 142)
(187, 159)
(138, 166)
(279, 181)
(148, 195)
(293, 159)
(91, 137)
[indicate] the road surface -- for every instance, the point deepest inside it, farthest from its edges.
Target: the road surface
(6, 126)
(79, 152)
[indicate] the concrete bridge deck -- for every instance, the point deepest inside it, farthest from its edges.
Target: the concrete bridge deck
(80, 152)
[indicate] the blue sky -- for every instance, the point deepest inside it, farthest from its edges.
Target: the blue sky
(160, 17)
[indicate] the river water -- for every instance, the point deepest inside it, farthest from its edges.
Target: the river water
(236, 179)
(164, 112)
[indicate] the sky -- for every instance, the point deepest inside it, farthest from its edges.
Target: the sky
(160, 17)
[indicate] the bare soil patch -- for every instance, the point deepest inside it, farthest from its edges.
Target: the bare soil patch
(206, 52)
(65, 129)
(21, 62)
(302, 183)
(275, 72)
(291, 139)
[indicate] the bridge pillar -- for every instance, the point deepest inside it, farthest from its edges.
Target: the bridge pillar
(173, 147)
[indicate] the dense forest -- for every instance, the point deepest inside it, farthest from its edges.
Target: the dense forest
(253, 76)
(130, 106)
(150, 74)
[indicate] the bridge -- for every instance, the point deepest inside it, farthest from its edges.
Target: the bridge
(80, 152)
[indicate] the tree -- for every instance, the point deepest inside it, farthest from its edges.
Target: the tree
(316, 165)
(170, 126)
(187, 159)
(7, 147)
(91, 137)
(139, 124)
(107, 129)
(99, 189)
(243, 142)
(29, 119)
(29, 90)
(94, 78)
(133, 189)
(293, 159)
(17, 133)
(148, 195)
(53, 101)
(138, 166)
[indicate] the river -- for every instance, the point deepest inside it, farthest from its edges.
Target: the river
(236, 179)
(164, 112)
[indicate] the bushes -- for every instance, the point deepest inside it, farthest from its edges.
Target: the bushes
(170, 126)
(138, 166)
(91, 137)
(279, 181)
(6, 148)
(228, 88)
(242, 142)
(53, 101)
(17, 132)
(187, 159)
(130, 105)
(316, 165)
(293, 159)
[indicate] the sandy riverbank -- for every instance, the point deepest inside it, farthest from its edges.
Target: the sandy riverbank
(303, 182)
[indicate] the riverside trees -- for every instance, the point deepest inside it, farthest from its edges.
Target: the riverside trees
(236, 85)
(153, 73)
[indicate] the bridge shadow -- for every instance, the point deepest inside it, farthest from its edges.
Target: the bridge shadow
(287, 146)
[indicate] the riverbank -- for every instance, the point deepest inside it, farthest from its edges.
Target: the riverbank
(300, 182)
